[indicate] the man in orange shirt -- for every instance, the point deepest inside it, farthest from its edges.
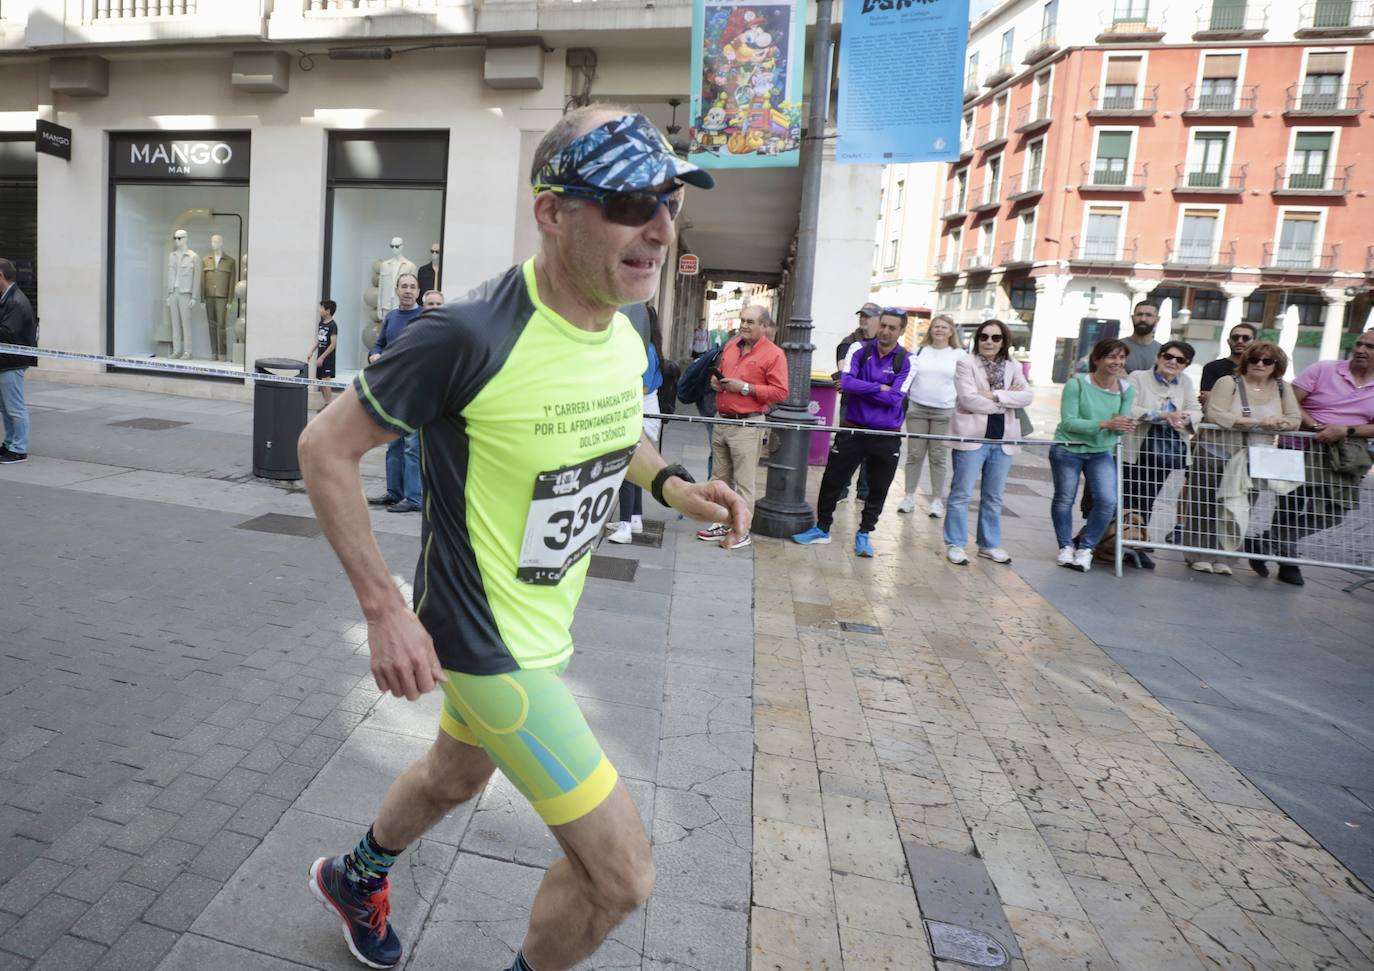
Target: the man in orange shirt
(753, 375)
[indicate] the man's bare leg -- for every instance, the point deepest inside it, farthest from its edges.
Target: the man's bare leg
(447, 776)
(605, 876)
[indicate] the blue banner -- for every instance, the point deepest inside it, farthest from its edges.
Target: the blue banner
(747, 83)
(901, 81)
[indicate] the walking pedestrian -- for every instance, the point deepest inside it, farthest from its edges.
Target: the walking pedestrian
(877, 382)
(701, 341)
(990, 387)
(18, 325)
(930, 404)
(1094, 413)
(326, 343)
(520, 488)
(403, 489)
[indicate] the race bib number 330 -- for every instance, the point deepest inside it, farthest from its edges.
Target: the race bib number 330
(567, 512)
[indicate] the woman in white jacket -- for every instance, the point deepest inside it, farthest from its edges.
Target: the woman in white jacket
(930, 407)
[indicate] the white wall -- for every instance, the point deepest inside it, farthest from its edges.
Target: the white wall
(844, 251)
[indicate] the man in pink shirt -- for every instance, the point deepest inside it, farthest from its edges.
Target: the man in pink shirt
(1337, 399)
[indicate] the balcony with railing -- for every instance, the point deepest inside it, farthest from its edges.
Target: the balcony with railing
(1208, 180)
(978, 262)
(80, 22)
(971, 85)
(1028, 185)
(1336, 18)
(986, 199)
(1131, 22)
(1018, 253)
(991, 136)
(1033, 117)
(1229, 21)
(1309, 101)
(1304, 258)
(1041, 46)
(1103, 176)
(1002, 71)
(1239, 103)
(955, 207)
(1201, 254)
(1142, 103)
(948, 265)
(1299, 180)
(1104, 250)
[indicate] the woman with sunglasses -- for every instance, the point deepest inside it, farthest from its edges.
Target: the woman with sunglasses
(1167, 408)
(989, 387)
(1094, 412)
(930, 406)
(1252, 401)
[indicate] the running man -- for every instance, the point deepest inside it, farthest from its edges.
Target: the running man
(520, 478)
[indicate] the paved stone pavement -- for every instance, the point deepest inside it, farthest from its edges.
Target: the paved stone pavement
(188, 721)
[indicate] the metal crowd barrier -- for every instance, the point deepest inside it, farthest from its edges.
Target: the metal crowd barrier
(1268, 496)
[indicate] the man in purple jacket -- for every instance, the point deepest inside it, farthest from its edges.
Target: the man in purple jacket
(876, 383)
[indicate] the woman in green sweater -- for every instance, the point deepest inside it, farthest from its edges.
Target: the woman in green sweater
(1093, 414)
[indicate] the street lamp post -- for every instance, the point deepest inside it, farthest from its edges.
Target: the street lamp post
(783, 510)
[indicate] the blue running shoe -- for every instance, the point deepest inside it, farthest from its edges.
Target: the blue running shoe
(366, 929)
(862, 547)
(813, 536)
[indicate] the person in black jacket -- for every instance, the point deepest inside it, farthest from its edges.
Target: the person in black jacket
(17, 326)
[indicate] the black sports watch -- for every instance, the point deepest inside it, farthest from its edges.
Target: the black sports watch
(664, 474)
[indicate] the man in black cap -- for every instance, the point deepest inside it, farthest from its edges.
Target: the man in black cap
(866, 329)
(520, 477)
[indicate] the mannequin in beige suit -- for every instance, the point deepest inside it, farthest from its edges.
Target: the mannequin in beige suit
(183, 292)
(217, 271)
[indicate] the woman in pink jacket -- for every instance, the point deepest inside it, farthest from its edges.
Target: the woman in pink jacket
(989, 386)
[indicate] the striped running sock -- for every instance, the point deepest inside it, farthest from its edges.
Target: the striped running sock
(367, 866)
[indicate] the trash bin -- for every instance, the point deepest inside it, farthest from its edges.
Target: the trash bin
(824, 400)
(278, 419)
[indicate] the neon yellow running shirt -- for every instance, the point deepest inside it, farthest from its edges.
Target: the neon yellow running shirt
(526, 426)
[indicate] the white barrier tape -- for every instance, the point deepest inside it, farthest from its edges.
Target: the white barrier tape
(200, 370)
(166, 367)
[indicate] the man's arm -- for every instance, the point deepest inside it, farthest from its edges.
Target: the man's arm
(707, 502)
(403, 658)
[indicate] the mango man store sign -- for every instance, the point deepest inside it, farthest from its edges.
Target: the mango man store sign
(50, 139)
(171, 157)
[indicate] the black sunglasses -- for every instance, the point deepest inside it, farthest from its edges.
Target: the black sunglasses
(995, 338)
(1240, 338)
(1266, 361)
(1177, 359)
(634, 208)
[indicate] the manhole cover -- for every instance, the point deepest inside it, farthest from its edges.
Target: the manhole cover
(149, 424)
(856, 628)
(613, 568)
(949, 942)
(283, 525)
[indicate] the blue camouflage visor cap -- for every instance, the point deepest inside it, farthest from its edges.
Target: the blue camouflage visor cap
(623, 155)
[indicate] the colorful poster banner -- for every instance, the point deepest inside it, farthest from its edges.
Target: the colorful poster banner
(747, 83)
(901, 81)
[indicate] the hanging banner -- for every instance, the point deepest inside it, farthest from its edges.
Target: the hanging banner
(747, 83)
(901, 81)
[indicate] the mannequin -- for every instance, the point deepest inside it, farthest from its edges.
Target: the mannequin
(431, 276)
(183, 292)
(218, 278)
(391, 269)
(241, 325)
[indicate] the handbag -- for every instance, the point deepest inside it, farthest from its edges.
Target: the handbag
(1266, 461)
(1164, 448)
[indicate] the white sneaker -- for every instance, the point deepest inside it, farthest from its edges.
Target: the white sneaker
(996, 554)
(621, 534)
(1083, 560)
(937, 508)
(748, 538)
(636, 524)
(907, 504)
(1065, 557)
(956, 555)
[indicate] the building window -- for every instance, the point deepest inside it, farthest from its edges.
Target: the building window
(1311, 160)
(1131, 11)
(1049, 20)
(898, 193)
(1298, 240)
(1025, 237)
(966, 132)
(1207, 158)
(985, 242)
(950, 300)
(1321, 86)
(1112, 163)
(999, 117)
(1122, 83)
(1220, 81)
(979, 298)
(892, 253)
(961, 191)
(1022, 294)
(1209, 305)
(1035, 167)
(971, 77)
(1102, 240)
(180, 238)
(1311, 308)
(1008, 44)
(994, 179)
(955, 251)
(1197, 236)
(1040, 95)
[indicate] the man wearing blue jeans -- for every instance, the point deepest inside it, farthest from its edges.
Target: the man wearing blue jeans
(402, 454)
(17, 326)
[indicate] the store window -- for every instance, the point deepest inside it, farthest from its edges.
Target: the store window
(19, 209)
(179, 208)
(383, 187)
